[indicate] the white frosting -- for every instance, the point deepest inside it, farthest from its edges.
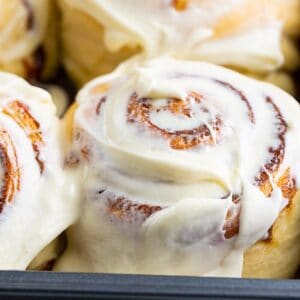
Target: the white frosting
(123, 157)
(43, 206)
(241, 33)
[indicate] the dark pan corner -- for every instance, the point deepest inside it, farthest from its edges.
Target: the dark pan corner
(49, 285)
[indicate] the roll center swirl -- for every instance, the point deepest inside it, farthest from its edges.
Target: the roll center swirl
(143, 110)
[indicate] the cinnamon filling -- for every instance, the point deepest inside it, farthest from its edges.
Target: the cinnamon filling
(232, 219)
(19, 112)
(30, 15)
(35, 65)
(180, 5)
(139, 110)
(286, 183)
(241, 95)
(126, 210)
(271, 167)
(9, 163)
(98, 107)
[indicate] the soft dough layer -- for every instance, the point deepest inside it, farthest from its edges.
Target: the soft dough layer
(28, 38)
(37, 199)
(184, 167)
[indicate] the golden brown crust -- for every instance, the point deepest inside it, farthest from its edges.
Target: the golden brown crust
(85, 55)
(279, 256)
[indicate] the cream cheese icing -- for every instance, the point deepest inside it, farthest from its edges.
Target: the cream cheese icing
(37, 196)
(240, 33)
(180, 163)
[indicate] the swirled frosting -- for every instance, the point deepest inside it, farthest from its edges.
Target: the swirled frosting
(36, 196)
(184, 166)
(240, 33)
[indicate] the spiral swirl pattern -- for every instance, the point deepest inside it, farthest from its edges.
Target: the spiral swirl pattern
(180, 156)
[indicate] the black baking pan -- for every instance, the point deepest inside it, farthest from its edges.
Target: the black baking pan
(51, 285)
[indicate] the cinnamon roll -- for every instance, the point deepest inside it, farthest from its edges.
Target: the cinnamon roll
(36, 194)
(97, 35)
(28, 38)
(186, 168)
